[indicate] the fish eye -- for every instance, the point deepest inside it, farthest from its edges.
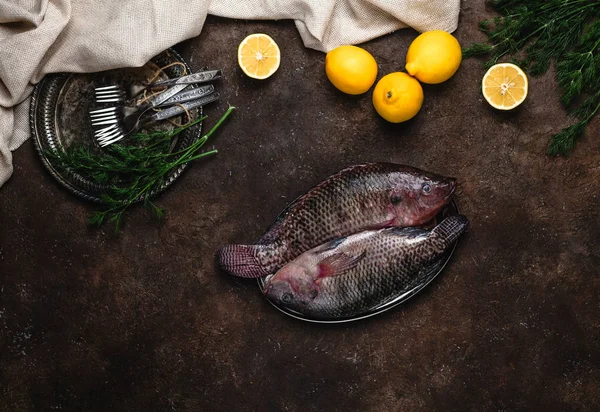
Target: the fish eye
(426, 188)
(286, 298)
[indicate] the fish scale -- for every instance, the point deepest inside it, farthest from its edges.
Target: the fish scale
(354, 199)
(391, 262)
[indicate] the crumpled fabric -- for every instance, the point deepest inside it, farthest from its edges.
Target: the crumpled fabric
(38, 37)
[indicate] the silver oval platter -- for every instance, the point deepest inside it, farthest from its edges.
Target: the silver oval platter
(59, 118)
(450, 210)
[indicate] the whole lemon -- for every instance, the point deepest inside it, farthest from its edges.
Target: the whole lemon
(397, 97)
(433, 57)
(351, 69)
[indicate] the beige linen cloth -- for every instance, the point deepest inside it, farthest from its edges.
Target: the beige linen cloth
(48, 36)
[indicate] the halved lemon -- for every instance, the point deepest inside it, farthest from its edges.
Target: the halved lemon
(504, 86)
(259, 56)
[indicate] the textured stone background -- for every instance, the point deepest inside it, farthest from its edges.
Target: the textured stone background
(145, 321)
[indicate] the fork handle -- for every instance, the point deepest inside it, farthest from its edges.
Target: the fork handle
(189, 95)
(200, 77)
(177, 110)
(162, 97)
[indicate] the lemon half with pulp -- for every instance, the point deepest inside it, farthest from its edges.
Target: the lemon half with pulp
(504, 86)
(259, 56)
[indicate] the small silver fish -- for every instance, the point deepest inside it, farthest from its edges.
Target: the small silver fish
(352, 275)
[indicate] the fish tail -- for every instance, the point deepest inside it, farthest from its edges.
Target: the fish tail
(242, 260)
(451, 228)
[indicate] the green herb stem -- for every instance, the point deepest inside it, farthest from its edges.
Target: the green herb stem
(198, 156)
(592, 113)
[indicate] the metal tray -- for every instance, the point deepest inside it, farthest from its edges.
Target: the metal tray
(450, 210)
(59, 118)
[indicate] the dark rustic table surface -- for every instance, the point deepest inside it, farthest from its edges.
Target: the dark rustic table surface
(146, 321)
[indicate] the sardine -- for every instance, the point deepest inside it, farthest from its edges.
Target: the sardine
(350, 276)
(363, 197)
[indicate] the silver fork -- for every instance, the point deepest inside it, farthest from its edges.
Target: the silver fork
(112, 114)
(116, 93)
(118, 130)
(119, 93)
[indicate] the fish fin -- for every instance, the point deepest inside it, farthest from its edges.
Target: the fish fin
(423, 278)
(427, 273)
(451, 228)
(338, 264)
(242, 260)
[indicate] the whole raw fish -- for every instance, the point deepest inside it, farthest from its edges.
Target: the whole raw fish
(368, 196)
(350, 276)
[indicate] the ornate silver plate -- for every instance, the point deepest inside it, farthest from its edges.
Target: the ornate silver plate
(450, 210)
(59, 118)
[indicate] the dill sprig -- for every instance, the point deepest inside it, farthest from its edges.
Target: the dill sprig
(132, 172)
(537, 32)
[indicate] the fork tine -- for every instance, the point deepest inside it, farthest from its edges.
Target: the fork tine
(103, 143)
(111, 100)
(116, 138)
(114, 89)
(109, 134)
(107, 121)
(114, 86)
(109, 95)
(108, 92)
(105, 95)
(103, 116)
(112, 141)
(116, 135)
(105, 132)
(100, 111)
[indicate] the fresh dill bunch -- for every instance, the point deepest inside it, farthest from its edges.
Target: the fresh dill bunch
(537, 32)
(131, 173)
